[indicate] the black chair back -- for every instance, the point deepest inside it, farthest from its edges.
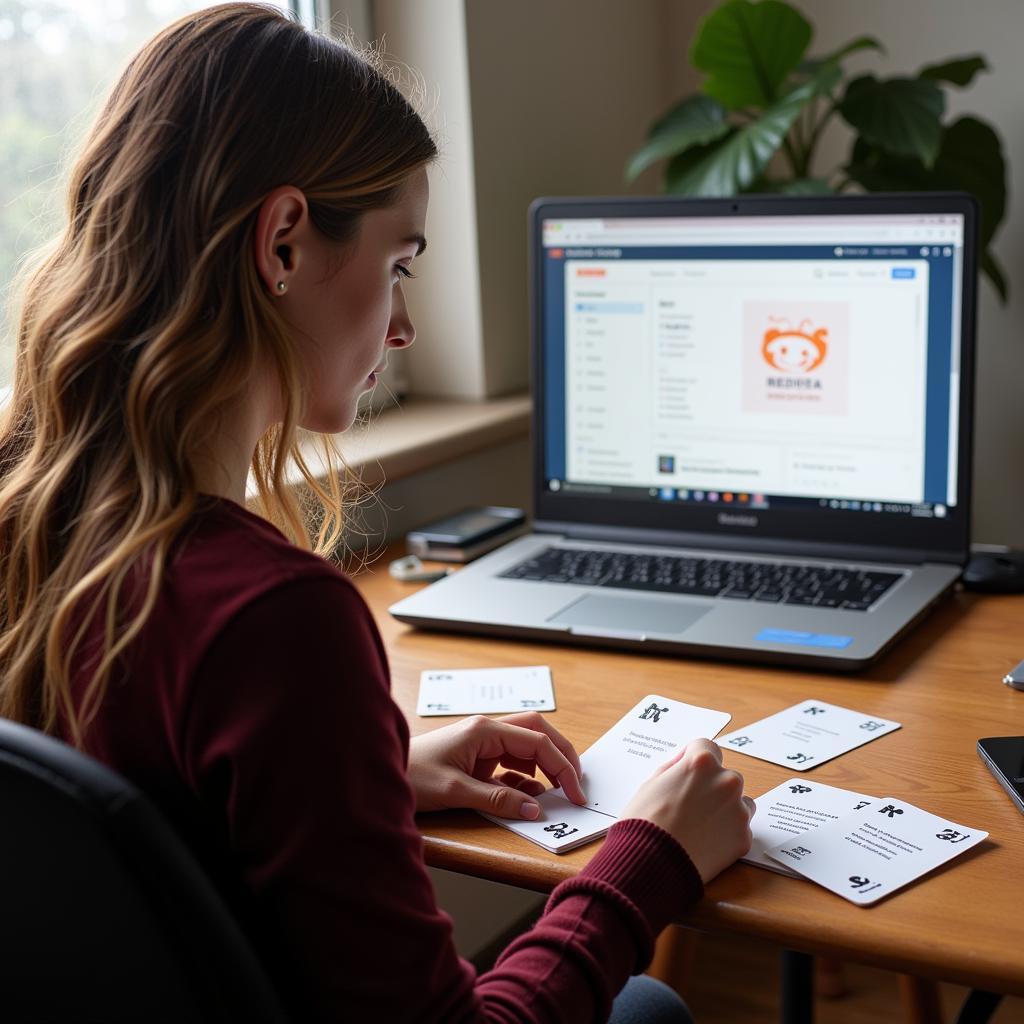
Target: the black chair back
(105, 916)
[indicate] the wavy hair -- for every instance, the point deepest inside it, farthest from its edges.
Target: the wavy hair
(146, 320)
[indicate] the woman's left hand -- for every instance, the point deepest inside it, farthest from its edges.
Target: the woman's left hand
(454, 766)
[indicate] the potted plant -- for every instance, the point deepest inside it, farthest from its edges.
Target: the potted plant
(756, 124)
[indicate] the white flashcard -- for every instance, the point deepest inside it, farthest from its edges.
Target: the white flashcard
(875, 851)
(645, 738)
(614, 768)
(794, 809)
(485, 691)
(562, 826)
(807, 734)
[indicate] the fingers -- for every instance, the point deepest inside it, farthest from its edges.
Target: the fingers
(494, 798)
(674, 759)
(699, 746)
(694, 752)
(751, 807)
(501, 740)
(538, 723)
(518, 764)
(525, 784)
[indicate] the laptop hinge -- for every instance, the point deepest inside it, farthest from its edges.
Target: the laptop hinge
(833, 550)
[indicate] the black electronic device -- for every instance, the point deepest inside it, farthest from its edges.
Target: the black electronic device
(1004, 756)
(467, 534)
(995, 569)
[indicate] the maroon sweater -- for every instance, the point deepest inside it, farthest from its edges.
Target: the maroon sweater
(255, 710)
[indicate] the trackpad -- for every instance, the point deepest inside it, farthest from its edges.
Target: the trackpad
(630, 614)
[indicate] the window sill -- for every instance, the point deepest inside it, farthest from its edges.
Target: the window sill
(425, 432)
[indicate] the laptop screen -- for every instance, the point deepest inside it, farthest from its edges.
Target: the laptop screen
(794, 361)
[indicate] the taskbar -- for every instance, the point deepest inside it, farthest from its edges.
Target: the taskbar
(744, 499)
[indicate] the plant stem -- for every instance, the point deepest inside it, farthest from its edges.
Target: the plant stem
(812, 143)
(791, 154)
(807, 133)
(799, 144)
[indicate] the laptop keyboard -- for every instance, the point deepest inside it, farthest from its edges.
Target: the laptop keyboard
(775, 582)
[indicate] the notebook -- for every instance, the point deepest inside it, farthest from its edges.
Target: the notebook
(752, 428)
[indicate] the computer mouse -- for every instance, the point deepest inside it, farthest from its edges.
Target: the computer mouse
(995, 571)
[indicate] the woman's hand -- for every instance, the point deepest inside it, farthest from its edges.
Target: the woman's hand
(701, 804)
(454, 766)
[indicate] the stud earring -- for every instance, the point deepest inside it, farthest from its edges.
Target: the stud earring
(281, 287)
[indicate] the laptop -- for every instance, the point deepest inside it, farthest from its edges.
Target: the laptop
(751, 428)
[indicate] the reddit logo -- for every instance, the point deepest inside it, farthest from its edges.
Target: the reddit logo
(793, 364)
(794, 350)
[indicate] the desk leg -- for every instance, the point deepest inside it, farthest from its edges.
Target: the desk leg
(829, 980)
(796, 971)
(921, 1003)
(978, 1007)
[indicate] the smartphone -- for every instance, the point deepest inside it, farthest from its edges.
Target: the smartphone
(1004, 756)
(468, 534)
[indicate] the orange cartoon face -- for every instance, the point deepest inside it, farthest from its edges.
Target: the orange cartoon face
(794, 351)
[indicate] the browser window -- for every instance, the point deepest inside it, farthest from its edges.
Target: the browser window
(762, 361)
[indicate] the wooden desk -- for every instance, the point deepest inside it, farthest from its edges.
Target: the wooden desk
(964, 923)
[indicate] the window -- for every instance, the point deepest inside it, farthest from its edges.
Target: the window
(58, 58)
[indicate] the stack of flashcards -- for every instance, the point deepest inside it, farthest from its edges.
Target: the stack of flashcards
(485, 691)
(860, 847)
(614, 768)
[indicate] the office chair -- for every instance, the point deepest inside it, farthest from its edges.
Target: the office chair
(104, 914)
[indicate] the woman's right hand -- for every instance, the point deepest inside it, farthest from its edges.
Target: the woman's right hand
(699, 803)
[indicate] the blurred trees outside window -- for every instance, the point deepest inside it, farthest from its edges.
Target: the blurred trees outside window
(58, 58)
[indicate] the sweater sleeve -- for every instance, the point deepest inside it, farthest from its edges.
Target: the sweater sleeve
(295, 748)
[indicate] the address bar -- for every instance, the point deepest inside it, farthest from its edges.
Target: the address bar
(832, 235)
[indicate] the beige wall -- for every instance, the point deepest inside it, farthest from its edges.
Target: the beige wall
(445, 306)
(522, 102)
(562, 92)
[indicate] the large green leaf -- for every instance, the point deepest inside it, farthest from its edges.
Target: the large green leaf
(899, 115)
(748, 50)
(698, 119)
(732, 164)
(830, 61)
(860, 43)
(824, 75)
(958, 71)
(970, 160)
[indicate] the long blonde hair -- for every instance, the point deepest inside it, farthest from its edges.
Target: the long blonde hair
(147, 319)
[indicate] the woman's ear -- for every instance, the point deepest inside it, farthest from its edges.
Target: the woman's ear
(280, 224)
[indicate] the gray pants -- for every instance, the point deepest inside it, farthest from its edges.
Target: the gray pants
(647, 1001)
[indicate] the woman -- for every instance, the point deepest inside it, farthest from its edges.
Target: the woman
(241, 221)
